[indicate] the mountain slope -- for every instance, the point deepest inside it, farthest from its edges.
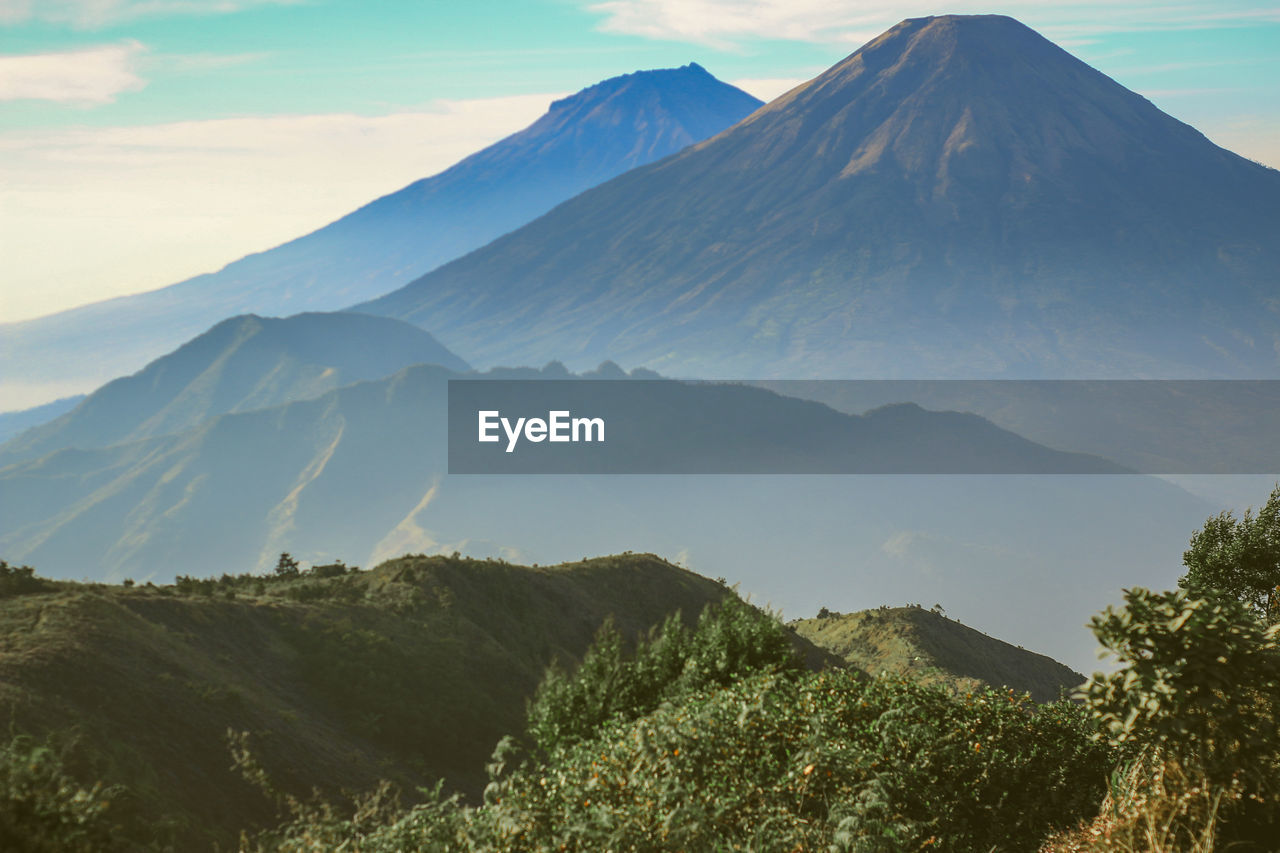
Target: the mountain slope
(928, 647)
(340, 474)
(410, 672)
(960, 197)
(360, 474)
(598, 133)
(240, 364)
(18, 422)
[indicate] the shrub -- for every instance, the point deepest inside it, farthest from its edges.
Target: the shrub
(43, 809)
(730, 640)
(779, 761)
(1199, 681)
(1194, 704)
(331, 570)
(19, 580)
(715, 738)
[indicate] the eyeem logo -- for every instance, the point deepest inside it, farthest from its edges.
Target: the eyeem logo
(558, 426)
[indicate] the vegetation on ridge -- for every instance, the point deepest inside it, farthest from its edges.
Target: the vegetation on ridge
(712, 734)
(927, 647)
(409, 672)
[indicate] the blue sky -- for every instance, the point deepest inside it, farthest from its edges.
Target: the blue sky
(145, 141)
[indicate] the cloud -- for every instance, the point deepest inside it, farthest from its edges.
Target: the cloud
(186, 63)
(723, 23)
(89, 14)
(91, 213)
(94, 75)
(768, 88)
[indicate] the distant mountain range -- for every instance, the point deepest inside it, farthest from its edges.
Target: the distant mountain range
(20, 420)
(230, 450)
(358, 473)
(582, 140)
(240, 364)
(960, 197)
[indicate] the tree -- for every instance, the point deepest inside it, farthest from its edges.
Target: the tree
(287, 567)
(1239, 557)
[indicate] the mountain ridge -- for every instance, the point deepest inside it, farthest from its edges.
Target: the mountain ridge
(926, 646)
(242, 363)
(589, 137)
(409, 672)
(957, 198)
(240, 487)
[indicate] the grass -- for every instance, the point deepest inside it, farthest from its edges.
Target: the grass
(409, 672)
(932, 649)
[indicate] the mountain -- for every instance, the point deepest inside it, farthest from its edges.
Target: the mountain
(17, 422)
(240, 364)
(336, 475)
(926, 646)
(959, 197)
(360, 474)
(409, 672)
(582, 140)
(1197, 427)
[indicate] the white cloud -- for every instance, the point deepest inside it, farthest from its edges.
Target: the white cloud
(727, 22)
(92, 213)
(88, 14)
(95, 75)
(768, 88)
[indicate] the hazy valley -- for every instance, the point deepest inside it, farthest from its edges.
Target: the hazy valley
(188, 661)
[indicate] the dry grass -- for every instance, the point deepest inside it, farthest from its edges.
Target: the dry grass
(1155, 807)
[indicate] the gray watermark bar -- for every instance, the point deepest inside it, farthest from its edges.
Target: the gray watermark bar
(646, 426)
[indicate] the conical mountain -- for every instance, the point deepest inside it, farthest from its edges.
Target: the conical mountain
(960, 197)
(582, 140)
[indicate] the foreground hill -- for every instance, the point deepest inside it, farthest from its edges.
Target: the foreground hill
(929, 648)
(960, 197)
(240, 364)
(410, 672)
(582, 140)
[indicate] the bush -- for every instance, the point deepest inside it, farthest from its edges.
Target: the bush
(715, 738)
(779, 761)
(1199, 681)
(1194, 705)
(730, 640)
(43, 809)
(19, 580)
(331, 570)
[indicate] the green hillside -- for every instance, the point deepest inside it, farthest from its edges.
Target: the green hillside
(409, 672)
(929, 648)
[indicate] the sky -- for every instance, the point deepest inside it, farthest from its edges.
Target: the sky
(146, 141)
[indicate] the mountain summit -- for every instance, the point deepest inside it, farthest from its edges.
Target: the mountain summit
(960, 197)
(582, 140)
